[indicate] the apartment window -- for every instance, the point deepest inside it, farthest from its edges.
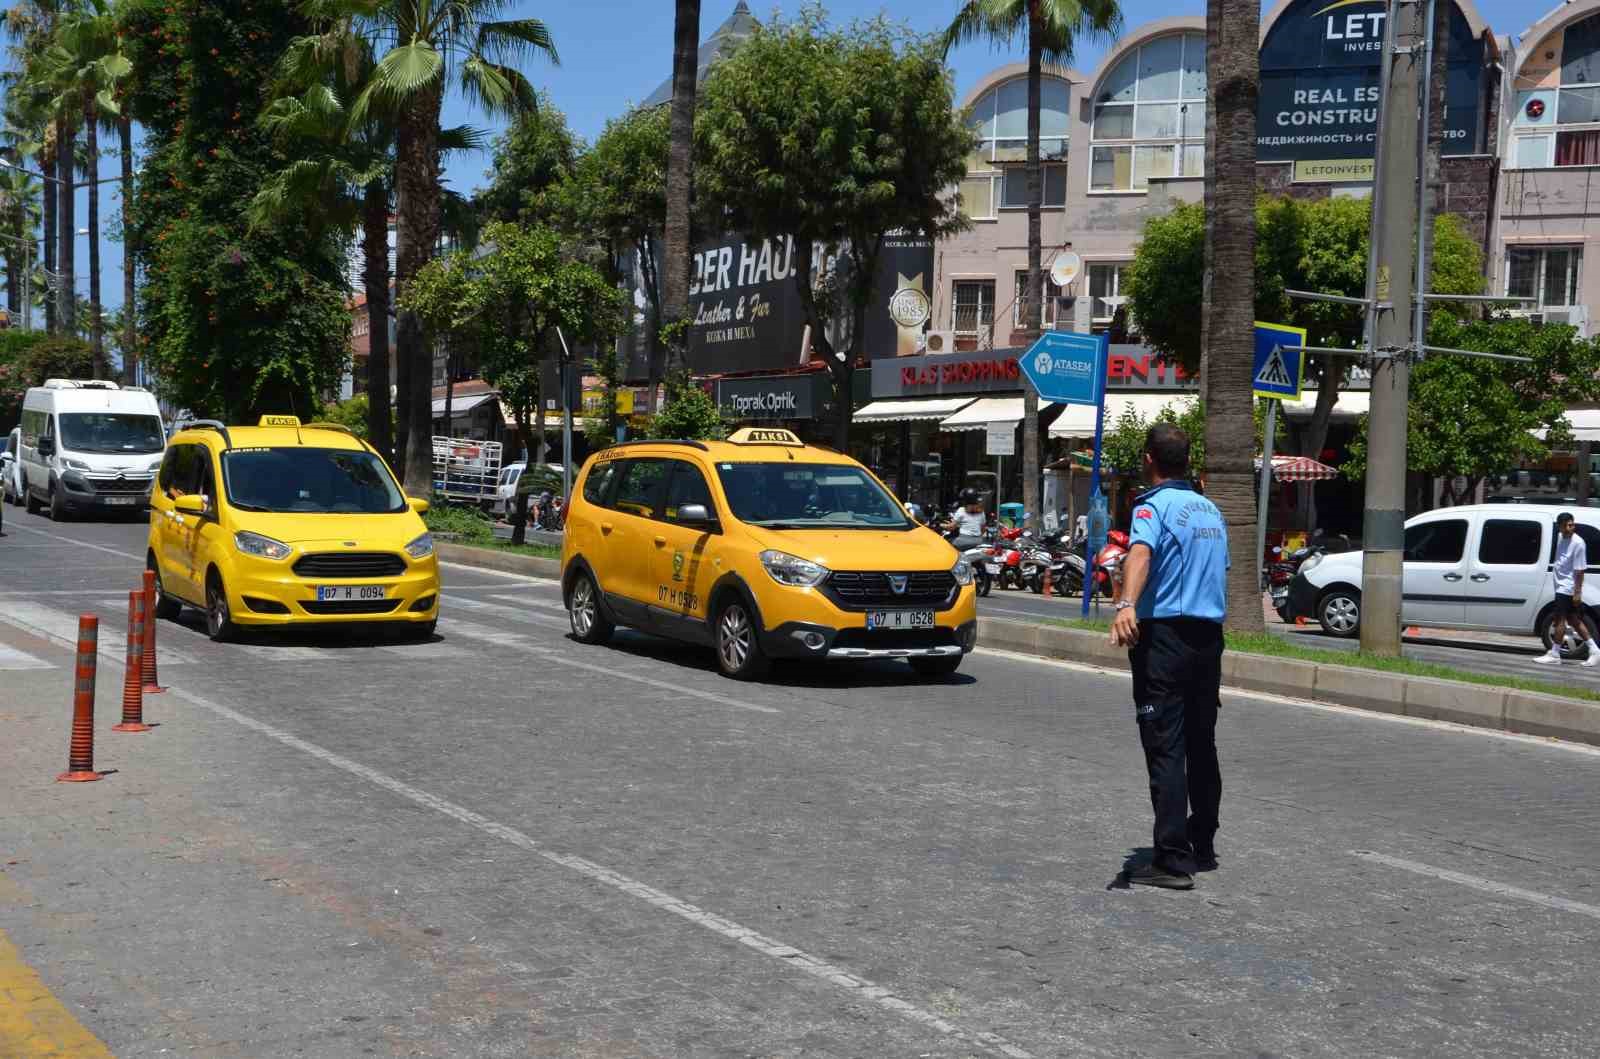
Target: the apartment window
(1105, 291)
(1560, 126)
(996, 178)
(1050, 293)
(1150, 115)
(1547, 274)
(973, 311)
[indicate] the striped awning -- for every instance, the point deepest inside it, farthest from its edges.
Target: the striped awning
(1299, 469)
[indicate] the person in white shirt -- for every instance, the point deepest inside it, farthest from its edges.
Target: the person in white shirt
(967, 521)
(1572, 558)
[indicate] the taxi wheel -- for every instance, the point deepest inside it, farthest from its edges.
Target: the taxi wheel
(739, 653)
(589, 625)
(167, 607)
(219, 620)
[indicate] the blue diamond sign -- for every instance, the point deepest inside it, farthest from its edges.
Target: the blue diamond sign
(1278, 372)
(1067, 366)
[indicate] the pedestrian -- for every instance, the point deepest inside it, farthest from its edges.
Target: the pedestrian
(1572, 558)
(1169, 617)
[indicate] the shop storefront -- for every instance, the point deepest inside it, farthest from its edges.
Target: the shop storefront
(797, 401)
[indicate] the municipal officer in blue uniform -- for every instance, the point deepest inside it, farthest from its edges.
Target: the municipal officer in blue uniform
(1170, 618)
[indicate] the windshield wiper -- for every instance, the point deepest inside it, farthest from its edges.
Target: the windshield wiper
(248, 507)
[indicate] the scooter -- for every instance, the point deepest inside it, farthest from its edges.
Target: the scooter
(1108, 564)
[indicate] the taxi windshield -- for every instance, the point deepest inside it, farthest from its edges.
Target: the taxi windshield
(809, 496)
(310, 481)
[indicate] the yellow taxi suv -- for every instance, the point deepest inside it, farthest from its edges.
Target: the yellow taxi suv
(283, 524)
(763, 548)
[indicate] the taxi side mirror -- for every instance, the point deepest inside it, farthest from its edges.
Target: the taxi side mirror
(417, 504)
(697, 516)
(190, 504)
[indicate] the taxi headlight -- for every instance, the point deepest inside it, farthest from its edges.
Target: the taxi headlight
(789, 569)
(962, 572)
(260, 547)
(421, 548)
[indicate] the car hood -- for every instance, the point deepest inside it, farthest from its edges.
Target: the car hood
(386, 532)
(862, 549)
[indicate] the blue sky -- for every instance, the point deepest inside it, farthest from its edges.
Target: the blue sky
(617, 53)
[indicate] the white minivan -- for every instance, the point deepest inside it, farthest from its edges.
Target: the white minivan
(89, 445)
(1484, 567)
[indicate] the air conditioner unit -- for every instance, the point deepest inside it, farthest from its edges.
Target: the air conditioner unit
(941, 342)
(1577, 316)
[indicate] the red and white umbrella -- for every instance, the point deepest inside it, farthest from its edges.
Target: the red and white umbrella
(1299, 469)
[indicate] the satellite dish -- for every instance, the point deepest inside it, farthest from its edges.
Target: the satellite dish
(1065, 268)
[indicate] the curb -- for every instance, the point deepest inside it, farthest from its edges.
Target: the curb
(492, 559)
(1477, 705)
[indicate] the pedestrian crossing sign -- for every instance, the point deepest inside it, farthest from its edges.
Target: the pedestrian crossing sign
(1278, 372)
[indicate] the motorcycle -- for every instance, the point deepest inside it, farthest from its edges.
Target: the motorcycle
(1009, 554)
(1058, 563)
(1282, 572)
(1108, 564)
(986, 568)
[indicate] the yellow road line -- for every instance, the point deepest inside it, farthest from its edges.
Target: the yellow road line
(32, 1021)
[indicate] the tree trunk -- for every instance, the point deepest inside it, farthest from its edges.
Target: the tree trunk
(130, 332)
(680, 159)
(97, 334)
(417, 191)
(1032, 299)
(375, 251)
(66, 228)
(47, 163)
(1316, 435)
(1234, 80)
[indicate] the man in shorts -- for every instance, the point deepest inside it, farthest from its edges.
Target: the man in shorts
(1572, 558)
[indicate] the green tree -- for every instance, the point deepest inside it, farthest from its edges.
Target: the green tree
(1051, 28)
(509, 301)
(238, 318)
(1470, 417)
(532, 160)
(834, 137)
(691, 414)
(427, 46)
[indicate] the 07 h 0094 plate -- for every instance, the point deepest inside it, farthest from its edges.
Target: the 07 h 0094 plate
(346, 593)
(899, 619)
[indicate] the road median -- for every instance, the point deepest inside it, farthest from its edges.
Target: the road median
(507, 562)
(1426, 698)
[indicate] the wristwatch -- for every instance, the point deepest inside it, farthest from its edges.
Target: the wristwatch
(1124, 604)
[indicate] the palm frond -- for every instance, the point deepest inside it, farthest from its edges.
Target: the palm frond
(463, 138)
(405, 71)
(498, 89)
(997, 21)
(516, 39)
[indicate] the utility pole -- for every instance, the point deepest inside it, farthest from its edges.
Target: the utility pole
(1389, 323)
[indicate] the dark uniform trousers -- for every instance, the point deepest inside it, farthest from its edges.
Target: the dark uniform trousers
(1177, 674)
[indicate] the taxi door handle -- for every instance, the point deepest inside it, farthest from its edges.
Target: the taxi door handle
(605, 527)
(661, 542)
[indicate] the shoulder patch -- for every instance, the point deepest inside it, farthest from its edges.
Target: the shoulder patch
(1144, 512)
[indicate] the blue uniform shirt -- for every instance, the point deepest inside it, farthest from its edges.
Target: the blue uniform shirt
(1188, 544)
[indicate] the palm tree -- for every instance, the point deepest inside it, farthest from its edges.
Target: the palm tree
(680, 176)
(19, 215)
(1233, 75)
(29, 120)
(1053, 28)
(425, 46)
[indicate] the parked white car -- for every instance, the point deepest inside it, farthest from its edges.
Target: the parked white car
(1483, 567)
(505, 490)
(11, 467)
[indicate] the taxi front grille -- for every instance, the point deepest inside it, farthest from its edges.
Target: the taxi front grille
(349, 606)
(859, 590)
(350, 564)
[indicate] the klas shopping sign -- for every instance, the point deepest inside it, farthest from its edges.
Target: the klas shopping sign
(1319, 82)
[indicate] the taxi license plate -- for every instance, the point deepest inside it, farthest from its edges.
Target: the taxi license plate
(346, 593)
(899, 619)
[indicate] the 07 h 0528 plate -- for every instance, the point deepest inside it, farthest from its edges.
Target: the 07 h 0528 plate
(347, 593)
(899, 619)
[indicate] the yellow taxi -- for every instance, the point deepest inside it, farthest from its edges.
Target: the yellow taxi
(761, 547)
(283, 523)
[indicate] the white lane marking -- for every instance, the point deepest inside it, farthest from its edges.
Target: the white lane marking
(428, 651)
(474, 631)
(13, 658)
(524, 602)
(465, 568)
(1488, 886)
(82, 544)
(61, 627)
(478, 606)
(857, 987)
(25, 593)
(1325, 707)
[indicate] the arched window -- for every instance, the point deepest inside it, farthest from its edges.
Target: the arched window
(1558, 121)
(996, 177)
(1150, 115)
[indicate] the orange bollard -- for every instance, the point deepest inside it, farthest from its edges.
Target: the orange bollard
(1046, 578)
(80, 755)
(152, 686)
(133, 675)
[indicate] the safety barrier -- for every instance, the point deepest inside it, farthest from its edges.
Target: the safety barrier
(152, 686)
(133, 674)
(80, 754)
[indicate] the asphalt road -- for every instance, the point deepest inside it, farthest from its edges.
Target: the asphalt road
(502, 843)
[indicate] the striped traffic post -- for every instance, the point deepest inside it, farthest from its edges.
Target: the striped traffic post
(80, 755)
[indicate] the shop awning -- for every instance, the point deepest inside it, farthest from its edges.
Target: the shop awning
(985, 410)
(1077, 420)
(1299, 469)
(902, 410)
(1585, 423)
(463, 404)
(1351, 405)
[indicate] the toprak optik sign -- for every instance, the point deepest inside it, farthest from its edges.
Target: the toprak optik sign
(770, 405)
(772, 396)
(1319, 82)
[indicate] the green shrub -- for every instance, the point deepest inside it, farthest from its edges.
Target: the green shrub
(467, 524)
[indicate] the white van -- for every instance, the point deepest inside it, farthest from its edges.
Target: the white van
(89, 445)
(1483, 567)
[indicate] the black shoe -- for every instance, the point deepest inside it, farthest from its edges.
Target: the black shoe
(1205, 860)
(1155, 875)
